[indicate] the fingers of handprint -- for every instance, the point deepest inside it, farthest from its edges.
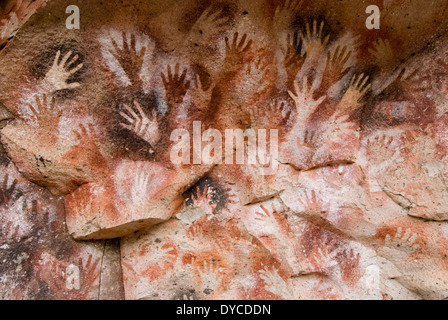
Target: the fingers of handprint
(320, 29)
(72, 61)
(292, 94)
(33, 110)
(127, 118)
(183, 76)
(360, 84)
(293, 42)
(170, 76)
(83, 133)
(65, 58)
(387, 240)
(293, 4)
(342, 58)
(226, 39)
(77, 135)
(164, 80)
(242, 45)
(235, 40)
(313, 196)
(117, 49)
(132, 112)
(352, 81)
(92, 130)
(52, 104)
(38, 102)
(398, 234)
(308, 34)
(198, 193)
(154, 114)
(412, 239)
(306, 89)
(11, 188)
(56, 59)
(259, 216)
(125, 41)
(209, 193)
(339, 58)
(242, 42)
(73, 85)
(237, 47)
(356, 85)
(233, 46)
(140, 110)
(76, 69)
(176, 81)
(215, 17)
(305, 86)
(142, 53)
(262, 214)
(366, 88)
(133, 43)
(315, 35)
(407, 235)
(198, 82)
(206, 12)
(313, 88)
(83, 130)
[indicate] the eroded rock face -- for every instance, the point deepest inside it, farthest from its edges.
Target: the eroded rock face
(39, 259)
(239, 150)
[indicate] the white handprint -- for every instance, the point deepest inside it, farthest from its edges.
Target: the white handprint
(303, 99)
(58, 74)
(270, 224)
(141, 184)
(211, 276)
(209, 23)
(140, 124)
(275, 284)
(339, 124)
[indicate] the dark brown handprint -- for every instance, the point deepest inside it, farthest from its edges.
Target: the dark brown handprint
(236, 51)
(293, 60)
(130, 60)
(176, 85)
(336, 68)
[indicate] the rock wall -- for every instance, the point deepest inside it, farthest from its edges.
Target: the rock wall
(204, 149)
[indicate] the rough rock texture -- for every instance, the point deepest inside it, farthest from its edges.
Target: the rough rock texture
(349, 201)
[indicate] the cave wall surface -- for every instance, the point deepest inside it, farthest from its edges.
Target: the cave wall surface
(120, 179)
